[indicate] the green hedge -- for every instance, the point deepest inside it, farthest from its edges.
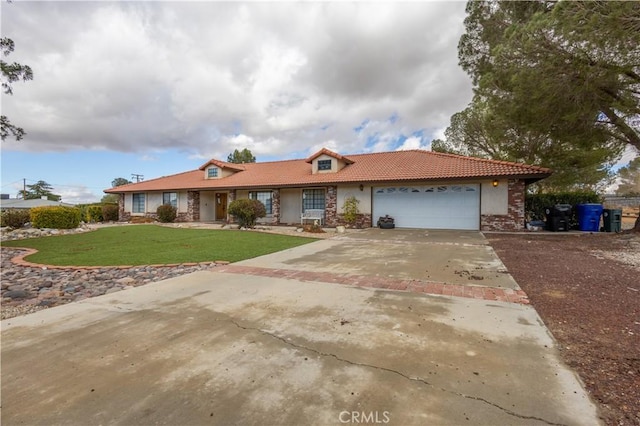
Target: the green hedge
(58, 217)
(110, 213)
(14, 218)
(536, 203)
(93, 214)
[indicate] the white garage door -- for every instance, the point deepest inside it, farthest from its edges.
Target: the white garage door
(435, 207)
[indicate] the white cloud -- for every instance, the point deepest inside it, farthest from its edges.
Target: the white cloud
(79, 194)
(413, 142)
(205, 77)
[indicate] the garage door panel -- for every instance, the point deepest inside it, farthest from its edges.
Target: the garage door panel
(436, 207)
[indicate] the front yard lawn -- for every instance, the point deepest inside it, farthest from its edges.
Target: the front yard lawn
(150, 244)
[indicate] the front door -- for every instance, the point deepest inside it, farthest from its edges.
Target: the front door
(221, 206)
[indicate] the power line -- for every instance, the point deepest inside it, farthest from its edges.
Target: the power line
(137, 177)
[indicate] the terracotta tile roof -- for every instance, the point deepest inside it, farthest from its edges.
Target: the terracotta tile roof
(414, 165)
(330, 154)
(222, 165)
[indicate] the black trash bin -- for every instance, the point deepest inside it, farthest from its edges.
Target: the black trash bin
(612, 219)
(558, 217)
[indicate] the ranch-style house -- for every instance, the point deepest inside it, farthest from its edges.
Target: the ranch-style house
(419, 189)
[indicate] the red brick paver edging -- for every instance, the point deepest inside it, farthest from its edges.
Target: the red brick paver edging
(416, 286)
(20, 261)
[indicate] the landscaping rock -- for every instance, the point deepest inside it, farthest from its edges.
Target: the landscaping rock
(16, 294)
(28, 289)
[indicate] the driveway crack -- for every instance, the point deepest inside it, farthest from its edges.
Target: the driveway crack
(388, 370)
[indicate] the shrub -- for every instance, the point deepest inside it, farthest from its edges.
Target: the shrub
(58, 217)
(167, 213)
(93, 214)
(350, 209)
(247, 211)
(536, 203)
(14, 218)
(110, 212)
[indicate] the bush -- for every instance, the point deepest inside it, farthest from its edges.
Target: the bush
(536, 203)
(110, 212)
(55, 217)
(14, 218)
(93, 214)
(167, 213)
(247, 211)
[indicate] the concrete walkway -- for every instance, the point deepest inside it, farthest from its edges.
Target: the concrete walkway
(231, 348)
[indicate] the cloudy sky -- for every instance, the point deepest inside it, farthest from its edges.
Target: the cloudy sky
(156, 88)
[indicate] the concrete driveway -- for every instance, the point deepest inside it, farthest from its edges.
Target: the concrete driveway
(453, 257)
(229, 348)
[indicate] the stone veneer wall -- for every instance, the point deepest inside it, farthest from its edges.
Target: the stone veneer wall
(514, 219)
(193, 206)
(275, 206)
(331, 206)
(363, 220)
(123, 216)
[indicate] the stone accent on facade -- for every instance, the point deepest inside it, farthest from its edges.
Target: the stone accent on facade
(331, 206)
(193, 206)
(363, 220)
(182, 217)
(514, 220)
(275, 206)
(123, 216)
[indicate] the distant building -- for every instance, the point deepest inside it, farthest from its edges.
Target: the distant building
(19, 203)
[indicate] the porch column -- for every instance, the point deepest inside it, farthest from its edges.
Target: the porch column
(275, 206)
(193, 206)
(331, 206)
(123, 216)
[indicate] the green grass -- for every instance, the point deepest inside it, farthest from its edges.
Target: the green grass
(149, 244)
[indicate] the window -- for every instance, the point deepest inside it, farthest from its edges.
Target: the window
(170, 198)
(264, 197)
(212, 172)
(324, 164)
(138, 203)
(313, 199)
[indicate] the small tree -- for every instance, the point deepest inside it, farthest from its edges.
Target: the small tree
(247, 211)
(239, 157)
(350, 209)
(38, 190)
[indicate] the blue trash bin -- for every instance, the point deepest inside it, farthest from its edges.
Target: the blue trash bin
(589, 217)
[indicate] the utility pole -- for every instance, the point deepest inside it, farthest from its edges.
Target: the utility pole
(137, 177)
(24, 188)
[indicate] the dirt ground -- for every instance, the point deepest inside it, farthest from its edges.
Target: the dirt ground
(586, 288)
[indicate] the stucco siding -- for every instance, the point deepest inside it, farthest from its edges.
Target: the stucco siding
(290, 205)
(207, 206)
(182, 201)
(364, 196)
(494, 200)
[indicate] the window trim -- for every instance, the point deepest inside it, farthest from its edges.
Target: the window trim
(315, 200)
(322, 165)
(212, 173)
(174, 202)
